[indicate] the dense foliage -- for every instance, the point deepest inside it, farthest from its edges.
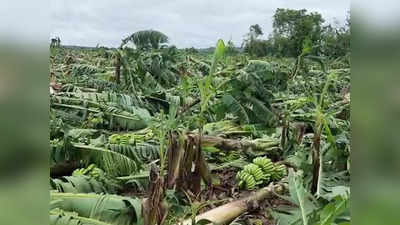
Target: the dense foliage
(292, 29)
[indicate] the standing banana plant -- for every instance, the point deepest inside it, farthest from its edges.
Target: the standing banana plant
(154, 207)
(320, 125)
(205, 85)
(206, 92)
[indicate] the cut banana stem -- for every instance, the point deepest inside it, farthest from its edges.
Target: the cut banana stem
(227, 213)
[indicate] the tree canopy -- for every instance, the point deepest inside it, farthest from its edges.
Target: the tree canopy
(252, 44)
(146, 39)
(295, 29)
(291, 28)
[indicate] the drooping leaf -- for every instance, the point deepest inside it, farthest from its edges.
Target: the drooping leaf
(59, 217)
(301, 198)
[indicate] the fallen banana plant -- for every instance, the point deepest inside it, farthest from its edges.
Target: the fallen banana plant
(59, 217)
(110, 209)
(227, 213)
(82, 184)
(106, 159)
(261, 144)
(226, 128)
(126, 118)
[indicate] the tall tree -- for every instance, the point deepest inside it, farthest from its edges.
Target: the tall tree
(230, 49)
(255, 30)
(55, 42)
(252, 44)
(291, 28)
(146, 39)
(336, 40)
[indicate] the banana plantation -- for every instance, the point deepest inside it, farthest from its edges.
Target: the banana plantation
(153, 134)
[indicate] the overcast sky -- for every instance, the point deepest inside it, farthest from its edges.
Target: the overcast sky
(187, 23)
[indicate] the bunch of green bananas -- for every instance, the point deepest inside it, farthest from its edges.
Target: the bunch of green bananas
(119, 139)
(91, 171)
(131, 138)
(279, 172)
(250, 176)
(247, 180)
(261, 171)
(266, 166)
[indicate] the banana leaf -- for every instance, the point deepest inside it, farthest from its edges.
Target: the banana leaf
(112, 209)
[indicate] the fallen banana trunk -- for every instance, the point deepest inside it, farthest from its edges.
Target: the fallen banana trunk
(261, 144)
(227, 213)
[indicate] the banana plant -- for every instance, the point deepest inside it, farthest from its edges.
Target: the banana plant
(84, 184)
(206, 92)
(321, 124)
(205, 84)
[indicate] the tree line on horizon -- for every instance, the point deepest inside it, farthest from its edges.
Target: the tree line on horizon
(293, 31)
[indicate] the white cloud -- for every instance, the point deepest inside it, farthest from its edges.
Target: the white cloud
(187, 23)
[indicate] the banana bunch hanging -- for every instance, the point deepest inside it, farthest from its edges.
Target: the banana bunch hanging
(261, 171)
